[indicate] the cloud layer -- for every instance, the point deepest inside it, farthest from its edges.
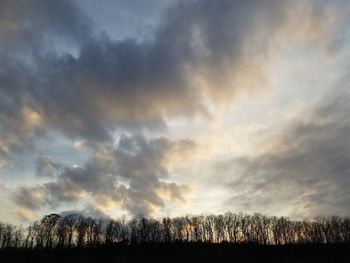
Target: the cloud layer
(304, 169)
(60, 77)
(132, 176)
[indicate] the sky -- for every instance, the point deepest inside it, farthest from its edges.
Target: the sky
(168, 108)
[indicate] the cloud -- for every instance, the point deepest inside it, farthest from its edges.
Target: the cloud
(100, 85)
(88, 211)
(58, 75)
(29, 32)
(24, 214)
(304, 172)
(25, 24)
(30, 197)
(133, 176)
(142, 164)
(46, 166)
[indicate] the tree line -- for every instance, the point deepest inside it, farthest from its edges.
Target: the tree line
(75, 230)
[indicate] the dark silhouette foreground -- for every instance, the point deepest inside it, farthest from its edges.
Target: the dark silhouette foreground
(211, 238)
(184, 252)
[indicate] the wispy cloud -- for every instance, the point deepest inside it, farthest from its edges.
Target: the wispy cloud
(304, 172)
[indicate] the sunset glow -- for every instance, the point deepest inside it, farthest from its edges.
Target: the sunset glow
(174, 107)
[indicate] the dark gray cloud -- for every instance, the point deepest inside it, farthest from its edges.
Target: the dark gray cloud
(29, 32)
(133, 175)
(47, 166)
(88, 211)
(87, 85)
(29, 24)
(143, 164)
(306, 173)
(30, 197)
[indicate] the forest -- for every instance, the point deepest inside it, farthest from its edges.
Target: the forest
(203, 236)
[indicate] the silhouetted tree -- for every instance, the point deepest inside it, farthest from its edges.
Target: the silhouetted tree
(48, 227)
(72, 230)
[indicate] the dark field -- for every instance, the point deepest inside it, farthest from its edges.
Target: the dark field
(185, 252)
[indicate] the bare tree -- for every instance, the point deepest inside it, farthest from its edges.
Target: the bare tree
(75, 230)
(48, 225)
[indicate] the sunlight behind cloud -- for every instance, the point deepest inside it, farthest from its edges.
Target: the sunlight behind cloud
(190, 115)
